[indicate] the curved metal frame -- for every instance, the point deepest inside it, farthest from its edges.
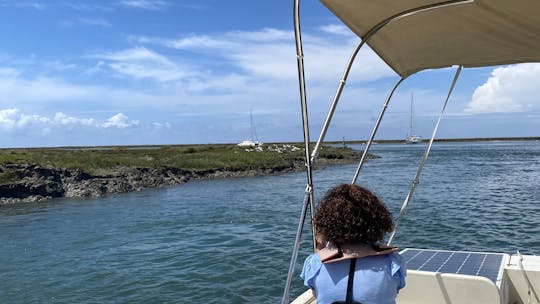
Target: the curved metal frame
(365, 38)
(423, 160)
(309, 197)
(372, 136)
(310, 159)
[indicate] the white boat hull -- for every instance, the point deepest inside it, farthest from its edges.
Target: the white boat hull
(514, 286)
(413, 139)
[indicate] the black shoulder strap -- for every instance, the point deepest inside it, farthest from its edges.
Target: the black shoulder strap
(350, 283)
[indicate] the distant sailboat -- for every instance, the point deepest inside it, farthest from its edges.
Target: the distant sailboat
(254, 140)
(411, 137)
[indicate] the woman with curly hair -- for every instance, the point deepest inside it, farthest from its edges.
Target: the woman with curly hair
(349, 264)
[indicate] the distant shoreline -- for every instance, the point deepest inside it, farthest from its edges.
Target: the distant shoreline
(36, 174)
(473, 139)
(332, 142)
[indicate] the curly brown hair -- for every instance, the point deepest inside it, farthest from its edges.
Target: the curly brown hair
(350, 214)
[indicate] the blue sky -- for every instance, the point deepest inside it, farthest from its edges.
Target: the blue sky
(130, 72)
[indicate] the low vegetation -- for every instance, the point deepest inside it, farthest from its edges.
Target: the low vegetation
(108, 160)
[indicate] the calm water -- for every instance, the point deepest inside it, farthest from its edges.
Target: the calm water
(229, 241)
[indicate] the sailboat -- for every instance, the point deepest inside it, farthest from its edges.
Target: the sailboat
(411, 137)
(254, 140)
(412, 36)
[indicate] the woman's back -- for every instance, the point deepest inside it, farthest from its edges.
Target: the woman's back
(377, 279)
(349, 222)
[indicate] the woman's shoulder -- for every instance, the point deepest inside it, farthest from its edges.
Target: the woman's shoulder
(398, 268)
(312, 266)
(397, 261)
(394, 263)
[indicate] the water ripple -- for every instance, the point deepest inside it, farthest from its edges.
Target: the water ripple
(229, 241)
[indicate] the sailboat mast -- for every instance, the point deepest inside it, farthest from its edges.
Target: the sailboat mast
(251, 125)
(411, 117)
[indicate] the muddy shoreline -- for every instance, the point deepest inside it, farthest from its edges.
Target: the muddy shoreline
(36, 183)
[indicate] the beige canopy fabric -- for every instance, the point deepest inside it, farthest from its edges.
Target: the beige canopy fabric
(473, 34)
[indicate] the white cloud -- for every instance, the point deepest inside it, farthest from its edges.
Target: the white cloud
(337, 29)
(142, 63)
(99, 22)
(9, 73)
(120, 121)
(53, 94)
(158, 125)
(14, 120)
(235, 71)
(509, 89)
(11, 120)
(7, 118)
(135, 54)
(59, 66)
(62, 119)
(144, 4)
(270, 53)
(222, 74)
(20, 129)
(15, 88)
(79, 6)
(24, 4)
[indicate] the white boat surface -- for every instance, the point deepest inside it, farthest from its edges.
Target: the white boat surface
(248, 143)
(253, 141)
(516, 280)
(415, 35)
(412, 138)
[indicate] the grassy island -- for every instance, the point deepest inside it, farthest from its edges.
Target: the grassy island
(41, 173)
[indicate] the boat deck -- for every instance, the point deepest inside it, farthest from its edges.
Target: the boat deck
(488, 265)
(443, 276)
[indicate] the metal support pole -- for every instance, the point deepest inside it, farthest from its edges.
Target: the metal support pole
(296, 249)
(424, 158)
(342, 83)
(303, 104)
(413, 11)
(372, 136)
(308, 199)
(365, 38)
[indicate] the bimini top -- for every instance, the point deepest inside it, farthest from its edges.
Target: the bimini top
(445, 33)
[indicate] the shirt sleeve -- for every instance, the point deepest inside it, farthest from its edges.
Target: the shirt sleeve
(311, 268)
(398, 269)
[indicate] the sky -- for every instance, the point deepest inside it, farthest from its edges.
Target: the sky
(141, 72)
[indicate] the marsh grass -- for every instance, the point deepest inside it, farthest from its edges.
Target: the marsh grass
(109, 160)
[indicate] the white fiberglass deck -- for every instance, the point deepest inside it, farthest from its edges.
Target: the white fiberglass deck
(443, 276)
(488, 265)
